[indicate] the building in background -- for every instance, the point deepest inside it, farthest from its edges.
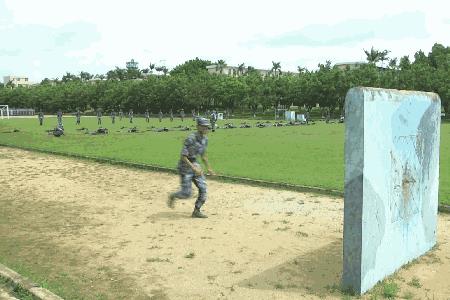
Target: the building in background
(232, 71)
(17, 81)
(350, 65)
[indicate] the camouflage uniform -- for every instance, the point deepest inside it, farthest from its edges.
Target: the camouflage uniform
(113, 117)
(182, 115)
(213, 119)
(130, 115)
(59, 116)
(99, 117)
(41, 118)
(194, 145)
(78, 116)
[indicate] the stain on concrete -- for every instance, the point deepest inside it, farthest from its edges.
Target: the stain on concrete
(374, 227)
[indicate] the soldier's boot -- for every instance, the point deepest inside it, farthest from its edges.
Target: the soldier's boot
(198, 214)
(171, 200)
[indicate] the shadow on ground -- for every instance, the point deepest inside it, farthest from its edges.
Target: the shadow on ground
(169, 215)
(317, 273)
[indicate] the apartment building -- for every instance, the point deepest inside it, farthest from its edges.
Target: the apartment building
(16, 80)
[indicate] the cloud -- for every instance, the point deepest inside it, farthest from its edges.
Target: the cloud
(5, 15)
(10, 52)
(347, 33)
(51, 46)
(70, 36)
(38, 38)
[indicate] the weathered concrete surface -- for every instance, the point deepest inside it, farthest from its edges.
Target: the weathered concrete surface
(25, 283)
(391, 181)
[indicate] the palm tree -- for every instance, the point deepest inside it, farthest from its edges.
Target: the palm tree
(85, 76)
(373, 56)
(241, 69)
(151, 67)
(220, 65)
(276, 68)
(393, 63)
(9, 84)
(383, 56)
(301, 70)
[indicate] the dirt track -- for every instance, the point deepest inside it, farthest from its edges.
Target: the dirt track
(256, 244)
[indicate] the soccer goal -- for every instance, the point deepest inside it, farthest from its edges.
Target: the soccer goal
(4, 110)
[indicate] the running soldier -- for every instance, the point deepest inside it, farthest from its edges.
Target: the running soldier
(213, 119)
(160, 115)
(147, 116)
(120, 115)
(113, 117)
(41, 117)
(99, 117)
(130, 115)
(191, 171)
(78, 116)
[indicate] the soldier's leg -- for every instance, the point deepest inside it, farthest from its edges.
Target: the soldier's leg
(200, 183)
(186, 187)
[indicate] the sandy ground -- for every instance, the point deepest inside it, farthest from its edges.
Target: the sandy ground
(256, 244)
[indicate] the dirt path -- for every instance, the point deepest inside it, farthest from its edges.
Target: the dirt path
(111, 225)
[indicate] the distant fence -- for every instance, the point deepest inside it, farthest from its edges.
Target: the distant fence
(21, 112)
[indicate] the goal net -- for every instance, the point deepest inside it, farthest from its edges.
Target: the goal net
(4, 111)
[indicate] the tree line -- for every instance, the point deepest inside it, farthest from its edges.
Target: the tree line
(190, 86)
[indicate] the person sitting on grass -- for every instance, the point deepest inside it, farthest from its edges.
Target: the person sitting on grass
(58, 131)
(133, 130)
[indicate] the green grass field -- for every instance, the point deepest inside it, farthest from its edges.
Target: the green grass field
(306, 155)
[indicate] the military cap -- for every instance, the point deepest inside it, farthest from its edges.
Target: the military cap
(203, 122)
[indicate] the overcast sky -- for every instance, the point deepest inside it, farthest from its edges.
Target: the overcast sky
(48, 38)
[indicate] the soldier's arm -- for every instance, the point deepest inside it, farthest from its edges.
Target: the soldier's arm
(206, 162)
(184, 156)
(187, 161)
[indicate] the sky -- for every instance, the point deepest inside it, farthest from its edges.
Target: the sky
(47, 38)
